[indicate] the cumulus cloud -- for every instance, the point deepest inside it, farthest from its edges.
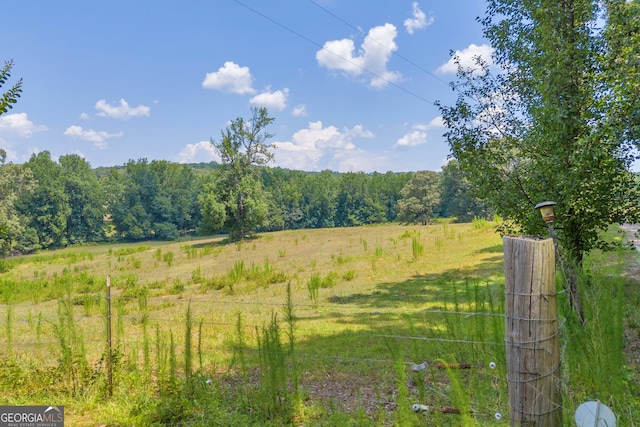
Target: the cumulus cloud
(84, 116)
(99, 138)
(230, 78)
(18, 124)
(318, 147)
(122, 111)
(418, 21)
(203, 151)
(419, 135)
(466, 57)
(413, 138)
(299, 111)
(371, 58)
(276, 100)
(437, 122)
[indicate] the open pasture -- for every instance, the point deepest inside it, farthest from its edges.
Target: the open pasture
(345, 326)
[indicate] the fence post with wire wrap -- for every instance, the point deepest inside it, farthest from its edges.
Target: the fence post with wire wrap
(532, 340)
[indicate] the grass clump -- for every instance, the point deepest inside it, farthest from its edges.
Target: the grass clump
(417, 248)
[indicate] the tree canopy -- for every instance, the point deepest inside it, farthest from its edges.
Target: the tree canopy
(237, 185)
(555, 119)
(420, 198)
(552, 122)
(14, 179)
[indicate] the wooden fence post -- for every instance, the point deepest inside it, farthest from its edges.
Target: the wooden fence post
(532, 340)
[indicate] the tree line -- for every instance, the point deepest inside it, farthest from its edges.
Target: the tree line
(47, 204)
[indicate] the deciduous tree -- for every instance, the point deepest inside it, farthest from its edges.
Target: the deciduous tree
(85, 194)
(420, 198)
(242, 149)
(458, 199)
(47, 207)
(15, 180)
(552, 120)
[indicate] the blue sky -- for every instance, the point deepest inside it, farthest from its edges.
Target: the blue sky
(350, 83)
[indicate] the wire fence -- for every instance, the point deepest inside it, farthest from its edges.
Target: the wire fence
(427, 342)
(433, 343)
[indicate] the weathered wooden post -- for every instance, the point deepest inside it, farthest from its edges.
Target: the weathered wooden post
(532, 341)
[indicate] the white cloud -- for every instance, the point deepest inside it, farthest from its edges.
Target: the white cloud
(18, 124)
(203, 151)
(359, 131)
(413, 138)
(435, 123)
(299, 111)
(318, 147)
(467, 56)
(276, 100)
(419, 21)
(230, 78)
(418, 135)
(99, 138)
(84, 116)
(360, 161)
(372, 57)
(122, 111)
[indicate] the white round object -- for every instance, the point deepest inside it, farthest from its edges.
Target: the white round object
(492, 365)
(595, 414)
(498, 415)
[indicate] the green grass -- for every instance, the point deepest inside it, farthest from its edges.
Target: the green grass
(227, 334)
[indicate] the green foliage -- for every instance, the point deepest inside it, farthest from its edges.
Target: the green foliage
(313, 288)
(316, 281)
(11, 96)
(552, 122)
(154, 200)
(457, 199)
(211, 208)
(85, 195)
(47, 207)
(15, 181)
(239, 201)
(417, 248)
(420, 198)
(188, 350)
(196, 275)
(131, 250)
(356, 203)
(349, 275)
(480, 223)
(378, 252)
(168, 258)
(273, 397)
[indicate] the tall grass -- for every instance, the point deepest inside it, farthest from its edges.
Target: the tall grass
(594, 354)
(346, 361)
(417, 248)
(72, 360)
(273, 398)
(9, 329)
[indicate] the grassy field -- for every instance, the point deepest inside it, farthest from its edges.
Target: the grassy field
(307, 327)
